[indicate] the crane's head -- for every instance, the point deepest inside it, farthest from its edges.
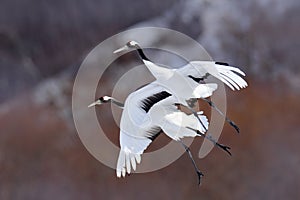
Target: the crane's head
(101, 100)
(129, 45)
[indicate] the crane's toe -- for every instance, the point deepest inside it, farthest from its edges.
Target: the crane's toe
(225, 148)
(199, 174)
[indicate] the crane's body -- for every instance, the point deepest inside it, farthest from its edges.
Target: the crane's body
(181, 87)
(184, 82)
(146, 113)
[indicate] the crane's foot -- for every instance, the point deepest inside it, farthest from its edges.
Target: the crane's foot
(200, 175)
(188, 151)
(224, 147)
(234, 126)
(221, 113)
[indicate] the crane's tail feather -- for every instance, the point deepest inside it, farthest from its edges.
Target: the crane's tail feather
(205, 90)
(175, 124)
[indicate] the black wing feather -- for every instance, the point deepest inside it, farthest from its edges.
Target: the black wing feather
(222, 63)
(154, 132)
(148, 102)
(200, 79)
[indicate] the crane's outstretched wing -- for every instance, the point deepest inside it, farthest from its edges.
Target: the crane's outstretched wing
(143, 110)
(140, 101)
(198, 70)
(137, 131)
(174, 121)
(130, 153)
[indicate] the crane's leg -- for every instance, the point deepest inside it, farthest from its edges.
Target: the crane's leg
(209, 137)
(199, 173)
(221, 113)
(190, 107)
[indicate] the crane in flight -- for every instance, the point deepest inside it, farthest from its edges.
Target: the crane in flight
(148, 111)
(184, 82)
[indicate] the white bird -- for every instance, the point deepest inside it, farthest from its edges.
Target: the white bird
(146, 112)
(184, 82)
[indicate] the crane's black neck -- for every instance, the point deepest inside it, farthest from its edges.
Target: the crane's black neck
(141, 54)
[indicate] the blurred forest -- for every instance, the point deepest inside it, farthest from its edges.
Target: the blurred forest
(42, 44)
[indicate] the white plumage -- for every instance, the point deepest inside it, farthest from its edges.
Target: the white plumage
(140, 123)
(222, 71)
(152, 108)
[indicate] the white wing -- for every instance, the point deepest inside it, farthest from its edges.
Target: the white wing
(130, 153)
(173, 122)
(137, 130)
(143, 112)
(135, 116)
(227, 74)
(179, 84)
(134, 102)
(175, 125)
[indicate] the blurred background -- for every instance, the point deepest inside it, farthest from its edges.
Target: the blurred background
(42, 44)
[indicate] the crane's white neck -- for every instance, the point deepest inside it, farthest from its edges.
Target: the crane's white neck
(160, 73)
(157, 71)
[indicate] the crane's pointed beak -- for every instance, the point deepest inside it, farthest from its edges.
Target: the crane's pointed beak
(125, 48)
(98, 102)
